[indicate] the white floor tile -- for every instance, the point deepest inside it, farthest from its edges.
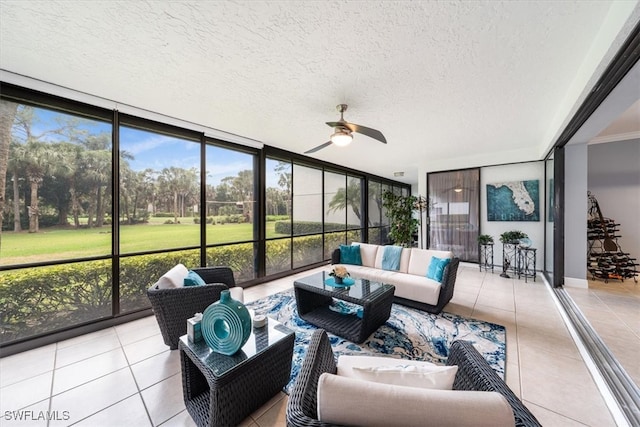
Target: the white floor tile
(27, 364)
(165, 399)
(156, 368)
(87, 370)
(129, 412)
(25, 393)
(85, 349)
(144, 349)
(32, 416)
(94, 396)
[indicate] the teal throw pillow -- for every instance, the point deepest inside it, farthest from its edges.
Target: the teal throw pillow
(193, 279)
(350, 254)
(436, 268)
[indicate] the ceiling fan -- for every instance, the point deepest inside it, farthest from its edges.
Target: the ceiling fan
(343, 130)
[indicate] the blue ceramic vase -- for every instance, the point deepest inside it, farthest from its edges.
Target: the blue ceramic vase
(226, 325)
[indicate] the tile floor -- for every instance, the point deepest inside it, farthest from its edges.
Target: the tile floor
(126, 376)
(613, 309)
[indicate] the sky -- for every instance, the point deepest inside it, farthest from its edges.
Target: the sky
(157, 151)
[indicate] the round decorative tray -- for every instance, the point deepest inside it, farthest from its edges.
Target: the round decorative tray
(346, 282)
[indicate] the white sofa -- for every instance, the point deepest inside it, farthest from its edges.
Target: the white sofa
(413, 288)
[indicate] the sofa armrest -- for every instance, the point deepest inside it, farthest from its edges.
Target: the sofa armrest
(475, 373)
(302, 404)
(335, 256)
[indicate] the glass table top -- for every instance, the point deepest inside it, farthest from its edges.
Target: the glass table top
(259, 340)
(362, 289)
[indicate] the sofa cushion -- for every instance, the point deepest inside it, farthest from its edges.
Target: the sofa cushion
(436, 268)
(389, 370)
(349, 401)
(421, 258)
(416, 288)
(173, 278)
(350, 254)
(368, 253)
(193, 279)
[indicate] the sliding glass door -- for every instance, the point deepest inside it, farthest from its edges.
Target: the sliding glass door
(454, 212)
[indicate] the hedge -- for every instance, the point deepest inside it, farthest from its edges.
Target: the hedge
(44, 299)
(306, 227)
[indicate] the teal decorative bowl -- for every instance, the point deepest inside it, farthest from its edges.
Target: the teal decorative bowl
(226, 325)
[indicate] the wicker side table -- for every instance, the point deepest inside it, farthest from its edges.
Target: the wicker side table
(223, 390)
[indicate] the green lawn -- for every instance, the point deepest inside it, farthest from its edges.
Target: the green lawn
(56, 244)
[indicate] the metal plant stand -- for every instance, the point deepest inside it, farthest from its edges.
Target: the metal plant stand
(486, 257)
(509, 259)
(527, 263)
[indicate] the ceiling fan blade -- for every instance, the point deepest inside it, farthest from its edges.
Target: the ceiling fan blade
(319, 147)
(372, 133)
(336, 124)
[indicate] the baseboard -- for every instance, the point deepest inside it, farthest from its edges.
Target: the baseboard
(576, 283)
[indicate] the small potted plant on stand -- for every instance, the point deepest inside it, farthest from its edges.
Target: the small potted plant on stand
(485, 242)
(510, 241)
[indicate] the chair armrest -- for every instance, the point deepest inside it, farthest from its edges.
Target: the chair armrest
(475, 373)
(216, 275)
(302, 404)
(172, 307)
(335, 256)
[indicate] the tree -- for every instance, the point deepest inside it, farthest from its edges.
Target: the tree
(348, 197)
(284, 181)
(8, 112)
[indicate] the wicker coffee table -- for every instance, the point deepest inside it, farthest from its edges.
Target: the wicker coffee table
(314, 296)
(223, 390)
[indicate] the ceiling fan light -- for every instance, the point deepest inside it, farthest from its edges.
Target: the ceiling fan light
(458, 190)
(341, 138)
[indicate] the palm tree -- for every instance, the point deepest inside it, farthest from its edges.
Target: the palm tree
(348, 197)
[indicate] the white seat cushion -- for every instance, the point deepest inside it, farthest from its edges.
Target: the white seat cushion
(421, 258)
(368, 253)
(349, 401)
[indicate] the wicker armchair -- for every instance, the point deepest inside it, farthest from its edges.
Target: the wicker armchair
(172, 307)
(474, 373)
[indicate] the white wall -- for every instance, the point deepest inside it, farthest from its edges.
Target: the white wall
(575, 215)
(614, 179)
(534, 229)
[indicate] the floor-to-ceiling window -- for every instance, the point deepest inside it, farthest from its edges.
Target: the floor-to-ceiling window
(57, 223)
(99, 204)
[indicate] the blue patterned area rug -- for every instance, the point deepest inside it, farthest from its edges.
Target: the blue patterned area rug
(408, 334)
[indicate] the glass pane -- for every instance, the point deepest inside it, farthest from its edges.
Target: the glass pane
(278, 203)
(333, 241)
(354, 236)
(241, 258)
(307, 250)
(230, 196)
(159, 191)
(38, 300)
(137, 273)
(335, 201)
(548, 250)
(58, 187)
(307, 200)
(455, 216)
(375, 203)
(354, 202)
(374, 236)
(385, 218)
(278, 256)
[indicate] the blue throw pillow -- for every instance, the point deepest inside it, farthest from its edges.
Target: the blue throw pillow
(436, 268)
(350, 254)
(193, 279)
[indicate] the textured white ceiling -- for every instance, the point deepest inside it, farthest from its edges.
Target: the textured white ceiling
(455, 83)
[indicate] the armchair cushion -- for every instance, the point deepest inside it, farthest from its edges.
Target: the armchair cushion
(193, 279)
(389, 370)
(173, 278)
(349, 401)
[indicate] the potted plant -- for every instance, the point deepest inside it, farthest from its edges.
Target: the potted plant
(339, 273)
(400, 210)
(512, 237)
(485, 239)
